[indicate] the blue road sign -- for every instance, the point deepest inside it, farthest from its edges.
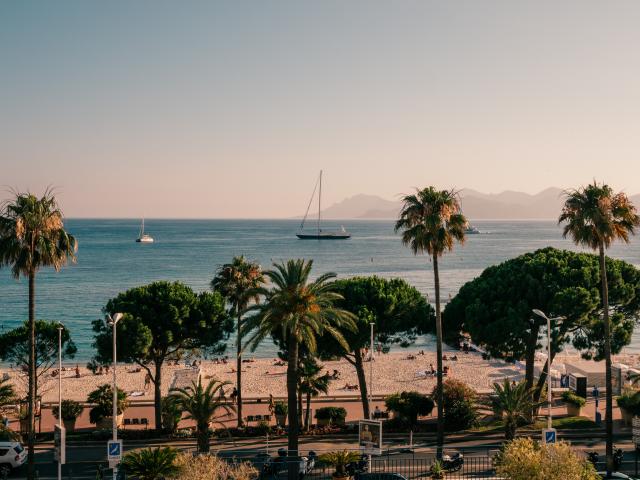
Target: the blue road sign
(549, 435)
(114, 449)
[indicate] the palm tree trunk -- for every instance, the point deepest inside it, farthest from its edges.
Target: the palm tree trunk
(157, 393)
(32, 377)
(292, 402)
(300, 405)
(362, 381)
(239, 372)
(440, 390)
(307, 413)
(203, 437)
(607, 356)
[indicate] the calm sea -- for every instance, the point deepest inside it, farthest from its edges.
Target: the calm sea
(109, 261)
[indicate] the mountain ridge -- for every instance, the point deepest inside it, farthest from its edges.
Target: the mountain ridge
(505, 205)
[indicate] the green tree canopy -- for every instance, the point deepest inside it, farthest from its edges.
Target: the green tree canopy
(398, 310)
(409, 405)
(495, 308)
(162, 320)
(14, 346)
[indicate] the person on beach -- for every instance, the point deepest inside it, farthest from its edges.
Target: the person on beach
(234, 395)
(147, 381)
(77, 371)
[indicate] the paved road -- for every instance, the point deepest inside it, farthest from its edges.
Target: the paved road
(83, 458)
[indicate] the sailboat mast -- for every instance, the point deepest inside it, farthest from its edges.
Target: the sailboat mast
(319, 201)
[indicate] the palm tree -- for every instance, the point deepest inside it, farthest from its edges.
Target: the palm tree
(201, 404)
(595, 217)
(32, 236)
(235, 281)
(312, 384)
(431, 221)
(151, 463)
(7, 394)
(513, 403)
(299, 310)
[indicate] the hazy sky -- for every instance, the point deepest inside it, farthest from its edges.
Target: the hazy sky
(229, 109)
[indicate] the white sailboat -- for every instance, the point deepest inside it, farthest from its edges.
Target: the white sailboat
(144, 238)
(320, 234)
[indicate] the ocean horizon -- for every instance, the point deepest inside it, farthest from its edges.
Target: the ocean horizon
(190, 250)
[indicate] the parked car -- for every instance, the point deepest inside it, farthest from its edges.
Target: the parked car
(379, 476)
(12, 456)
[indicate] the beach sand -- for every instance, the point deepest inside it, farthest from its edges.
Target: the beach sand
(392, 372)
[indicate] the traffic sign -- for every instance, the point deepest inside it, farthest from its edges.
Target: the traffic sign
(59, 441)
(114, 451)
(549, 435)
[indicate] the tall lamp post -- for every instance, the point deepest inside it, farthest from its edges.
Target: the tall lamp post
(113, 321)
(541, 314)
(60, 328)
(371, 374)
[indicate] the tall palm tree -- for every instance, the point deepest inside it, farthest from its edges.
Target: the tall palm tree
(152, 463)
(32, 236)
(595, 217)
(312, 383)
(513, 404)
(202, 404)
(431, 221)
(235, 281)
(299, 310)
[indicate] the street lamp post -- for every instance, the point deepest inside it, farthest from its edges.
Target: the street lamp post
(541, 314)
(60, 328)
(371, 374)
(113, 321)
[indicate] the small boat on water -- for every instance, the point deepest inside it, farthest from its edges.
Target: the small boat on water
(471, 230)
(318, 233)
(144, 238)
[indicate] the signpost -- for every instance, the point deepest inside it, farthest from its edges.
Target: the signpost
(59, 444)
(549, 435)
(370, 436)
(114, 452)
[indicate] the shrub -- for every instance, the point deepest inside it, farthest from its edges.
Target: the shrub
(210, 467)
(280, 408)
(151, 463)
(525, 459)
(573, 399)
(70, 410)
(93, 366)
(8, 435)
(340, 459)
(409, 405)
(102, 398)
(630, 401)
(333, 414)
(460, 410)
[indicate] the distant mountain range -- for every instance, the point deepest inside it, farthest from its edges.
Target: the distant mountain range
(507, 205)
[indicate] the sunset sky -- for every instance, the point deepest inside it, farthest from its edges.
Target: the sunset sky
(229, 109)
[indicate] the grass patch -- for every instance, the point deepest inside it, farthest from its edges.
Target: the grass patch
(564, 423)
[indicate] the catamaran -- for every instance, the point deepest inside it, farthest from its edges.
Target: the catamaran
(320, 234)
(144, 238)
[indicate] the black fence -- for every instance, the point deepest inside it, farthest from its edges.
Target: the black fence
(480, 467)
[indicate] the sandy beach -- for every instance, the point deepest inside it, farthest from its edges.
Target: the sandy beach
(391, 372)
